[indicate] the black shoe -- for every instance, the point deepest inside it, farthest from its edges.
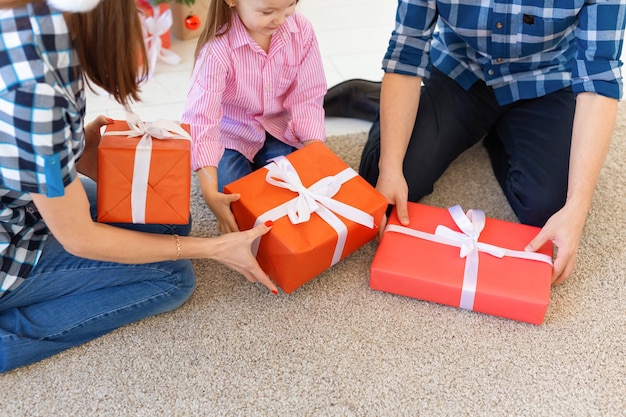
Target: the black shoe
(355, 99)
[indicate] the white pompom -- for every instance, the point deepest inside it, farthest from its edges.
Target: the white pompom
(73, 6)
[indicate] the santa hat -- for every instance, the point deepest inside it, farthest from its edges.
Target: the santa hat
(73, 6)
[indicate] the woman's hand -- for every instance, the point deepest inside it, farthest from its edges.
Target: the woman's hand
(233, 250)
(88, 162)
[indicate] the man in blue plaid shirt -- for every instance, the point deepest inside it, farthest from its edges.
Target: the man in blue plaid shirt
(538, 81)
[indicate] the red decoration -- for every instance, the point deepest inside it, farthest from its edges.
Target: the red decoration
(192, 22)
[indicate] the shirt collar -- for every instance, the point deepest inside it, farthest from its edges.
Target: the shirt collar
(239, 36)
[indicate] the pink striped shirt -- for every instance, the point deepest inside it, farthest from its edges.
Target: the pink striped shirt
(238, 92)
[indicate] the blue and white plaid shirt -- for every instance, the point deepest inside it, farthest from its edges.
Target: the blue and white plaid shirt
(41, 129)
(522, 49)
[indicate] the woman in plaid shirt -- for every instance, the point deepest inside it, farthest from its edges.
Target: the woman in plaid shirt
(65, 279)
(539, 81)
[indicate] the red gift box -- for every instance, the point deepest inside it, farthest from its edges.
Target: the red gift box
(345, 213)
(144, 173)
(447, 257)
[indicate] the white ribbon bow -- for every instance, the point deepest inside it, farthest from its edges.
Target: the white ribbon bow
(471, 225)
(154, 27)
(160, 129)
(315, 199)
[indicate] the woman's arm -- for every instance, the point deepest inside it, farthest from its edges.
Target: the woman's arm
(69, 220)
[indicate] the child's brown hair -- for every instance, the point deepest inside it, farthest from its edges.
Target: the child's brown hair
(218, 21)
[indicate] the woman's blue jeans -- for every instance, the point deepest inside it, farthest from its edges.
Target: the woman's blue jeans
(234, 165)
(67, 301)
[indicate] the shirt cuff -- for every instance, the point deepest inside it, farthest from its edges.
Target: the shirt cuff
(206, 154)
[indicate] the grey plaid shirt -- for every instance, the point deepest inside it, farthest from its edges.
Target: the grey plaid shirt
(41, 129)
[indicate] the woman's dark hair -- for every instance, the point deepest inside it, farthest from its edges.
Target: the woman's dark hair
(110, 47)
(109, 44)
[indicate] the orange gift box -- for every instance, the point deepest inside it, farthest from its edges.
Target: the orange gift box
(293, 254)
(509, 286)
(148, 10)
(164, 199)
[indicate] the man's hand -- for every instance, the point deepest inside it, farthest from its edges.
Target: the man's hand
(564, 229)
(394, 188)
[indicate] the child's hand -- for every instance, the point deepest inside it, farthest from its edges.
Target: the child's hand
(219, 203)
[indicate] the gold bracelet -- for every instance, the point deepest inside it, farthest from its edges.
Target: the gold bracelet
(177, 246)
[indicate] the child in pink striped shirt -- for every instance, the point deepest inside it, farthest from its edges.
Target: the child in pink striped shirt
(257, 92)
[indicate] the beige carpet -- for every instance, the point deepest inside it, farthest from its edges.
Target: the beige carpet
(336, 348)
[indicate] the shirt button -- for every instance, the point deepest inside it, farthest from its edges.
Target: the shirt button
(499, 25)
(499, 60)
(490, 72)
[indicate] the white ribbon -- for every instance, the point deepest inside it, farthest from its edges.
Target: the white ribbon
(471, 225)
(154, 27)
(160, 129)
(315, 199)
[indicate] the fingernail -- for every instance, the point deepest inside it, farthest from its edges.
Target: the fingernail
(269, 223)
(274, 292)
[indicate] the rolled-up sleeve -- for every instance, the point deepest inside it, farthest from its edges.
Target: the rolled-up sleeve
(409, 46)
(41, 136)
(600, 35)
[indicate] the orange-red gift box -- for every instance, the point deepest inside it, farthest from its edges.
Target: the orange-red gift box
(148, 10)
(293, 254)
(169, 181)
(509, 287)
